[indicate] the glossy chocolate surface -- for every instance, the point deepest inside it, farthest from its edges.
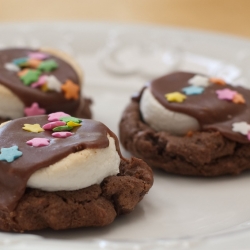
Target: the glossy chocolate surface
(211, 112)
(14, 176)
(51, 101)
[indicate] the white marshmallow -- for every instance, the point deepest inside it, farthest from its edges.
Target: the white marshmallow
(162, 119)
(78, 170)
(10, 105)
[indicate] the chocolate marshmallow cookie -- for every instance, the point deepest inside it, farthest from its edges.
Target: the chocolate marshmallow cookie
(35, 82)
(189, 124)
(61, 172)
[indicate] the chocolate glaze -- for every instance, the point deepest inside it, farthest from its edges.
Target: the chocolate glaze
(50, 101)
(211, 112)
(14, 175)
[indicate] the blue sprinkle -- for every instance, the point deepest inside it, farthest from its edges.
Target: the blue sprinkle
(10, 154)
(20, 61)
(193, 90)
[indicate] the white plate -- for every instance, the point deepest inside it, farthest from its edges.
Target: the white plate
(178, 212)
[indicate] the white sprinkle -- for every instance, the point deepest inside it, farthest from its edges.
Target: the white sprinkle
(53, 83)
(199, 80)
(241, 127)
(12, 67)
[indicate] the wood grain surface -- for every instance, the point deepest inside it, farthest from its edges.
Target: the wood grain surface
(229, 16)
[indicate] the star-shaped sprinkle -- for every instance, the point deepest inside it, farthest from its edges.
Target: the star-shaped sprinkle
(71, 90)
(33, 63)
(226, 94)
(41, 81)
(190, 133)
(20, 61)
(23, 72)
(34, 109)
(11, 67)
(218, 81)
(48, 65)
(62, 128)
(30, 77)
(36, 128)
(238, 98)
(70, 119)
(51, 125)
(62, 134)
(198, 80)
(193, 90)
(73, 124)
(10, 154)
(56, 116)
(54, 84)
(241, 127)
(44, 87)
(175, 97)
(38, 142)
(38, 55)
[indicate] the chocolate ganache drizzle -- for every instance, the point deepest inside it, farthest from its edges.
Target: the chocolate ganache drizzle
(211, 112)
(14, 175)
(50, 101)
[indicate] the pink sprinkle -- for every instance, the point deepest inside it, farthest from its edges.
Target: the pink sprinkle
(248, 135)
(226, 94)
(51, 125)
(38, 142)
(62, 134)
(38, 55)
(56, 116)
(41, 81)
(34, 109)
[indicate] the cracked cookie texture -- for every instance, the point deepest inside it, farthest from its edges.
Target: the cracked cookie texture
(94, 206)
(78, 180)
(198, 154)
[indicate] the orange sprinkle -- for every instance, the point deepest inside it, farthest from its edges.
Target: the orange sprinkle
(238, 98)
(216, 80)
(71, 90)
(189, 133)
(33, 63)
(23, 72)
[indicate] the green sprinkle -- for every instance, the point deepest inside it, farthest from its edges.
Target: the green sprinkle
(30, 77)
(48, 65)
(62, 128)
(70, 119)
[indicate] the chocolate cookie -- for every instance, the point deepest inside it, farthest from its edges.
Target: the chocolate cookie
(211, 137)
(61, 172)
(35, 82)
(94, 206)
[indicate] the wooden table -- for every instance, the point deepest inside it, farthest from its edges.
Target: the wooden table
(230, 16)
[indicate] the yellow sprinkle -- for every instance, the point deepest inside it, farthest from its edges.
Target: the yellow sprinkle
(36, 128)
(44, 88)
(73, 124)
(175, 97)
